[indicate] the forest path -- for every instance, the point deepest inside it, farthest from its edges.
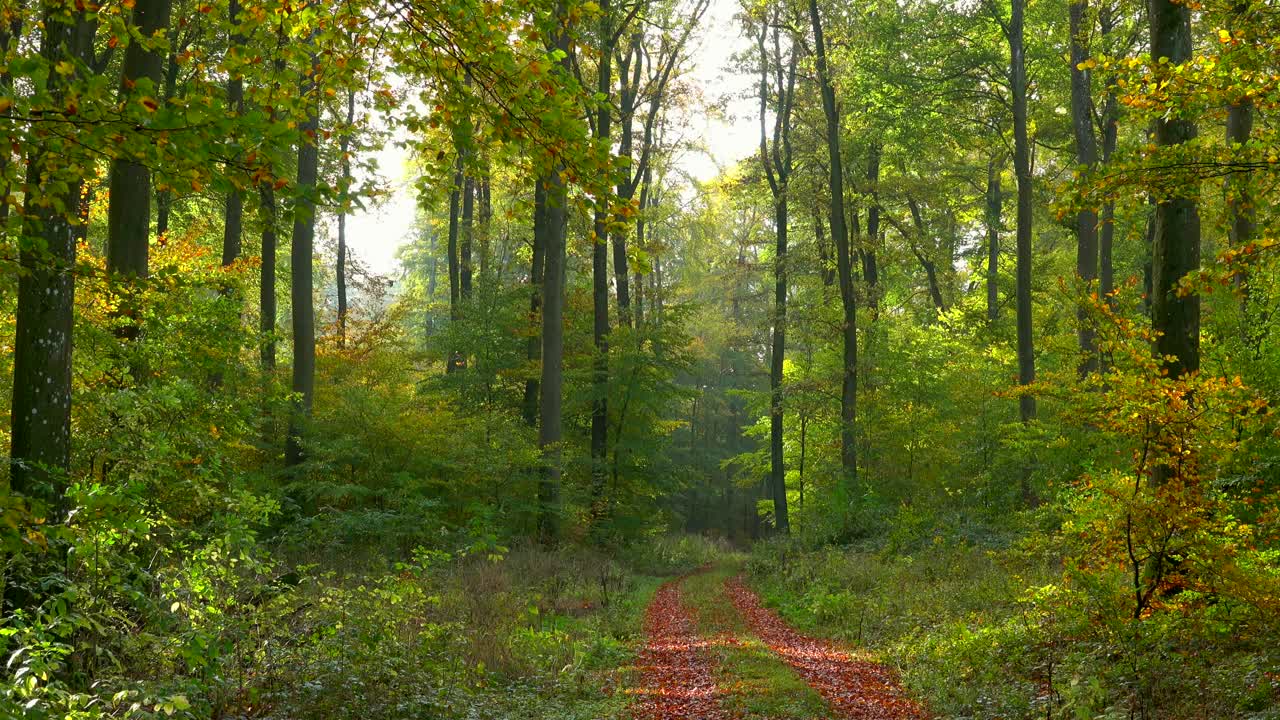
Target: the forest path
(715, 652)
(677, 672)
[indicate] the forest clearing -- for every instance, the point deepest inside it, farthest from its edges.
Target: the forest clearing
(639, 359)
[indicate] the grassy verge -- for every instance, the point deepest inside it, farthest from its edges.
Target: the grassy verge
(998, 633)
(531, 635)
(757, 683)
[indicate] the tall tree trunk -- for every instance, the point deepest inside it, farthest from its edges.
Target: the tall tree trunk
(1240, 202)
(552, 380)
(870, 268)
(164, 197)
(301, 256)
(484, 194)
(1176, 248)
(1176, 245)
(433, 263)
(1110, 134)
(824, 250)
(455, 271)
(600, 281)
(552, 383)
(777, 467)
(233, 221)
(533, 351)
(1087, 159)
(646, 193)
(839, 233)
(8, 32)
(40, 419)
(777, 169)
(129, 204)
(467, 236)
(267, 282)
(994, 202)
(344, 196)
(1022, 168)
(629, 71)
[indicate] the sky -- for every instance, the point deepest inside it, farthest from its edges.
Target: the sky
(376, 233)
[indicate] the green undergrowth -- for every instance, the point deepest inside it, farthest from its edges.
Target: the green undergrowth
(990, 632)
(531, 634)
(757, 684)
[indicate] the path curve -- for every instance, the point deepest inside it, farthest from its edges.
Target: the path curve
(855, 689)
(677, 671)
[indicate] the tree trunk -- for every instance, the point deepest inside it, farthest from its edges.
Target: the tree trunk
(301, 287)
(467, 236)
(777, 169)
(1241, 212)
(455, 274)
(629, 76)
(1110, 134)
(994, 202)
(1022, 168)
(129, 203)
(552, 381)
(233, 221)
(533, 351)
(40, 420)
(485, 196)
(344, 196)
(8, 32)
(1087, 160)
(870, 268)
(551, 386)
(645, 194)
(600, 281)
(1176, 249)
(839, 233)
(164, 198)
(267, 282)
(824, 250)
(777, 467)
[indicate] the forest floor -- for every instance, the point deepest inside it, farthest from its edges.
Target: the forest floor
(714, 652)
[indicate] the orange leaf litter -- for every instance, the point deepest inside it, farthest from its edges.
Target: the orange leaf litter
(855, 689)
(677, 680)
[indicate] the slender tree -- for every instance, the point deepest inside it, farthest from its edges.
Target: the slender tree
(344, 163)
(455, 274)
(301, 257)
(533, 351)
(994, 211)
(870, 265)
(233, 219)
(1082, 124)
(840, 236)
(600, 275)
(1013, 30)
(777, 164)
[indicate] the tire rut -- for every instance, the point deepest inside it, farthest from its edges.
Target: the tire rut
(677, 670)
(855, 689)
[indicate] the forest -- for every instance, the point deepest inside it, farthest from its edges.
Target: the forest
(743, 359)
